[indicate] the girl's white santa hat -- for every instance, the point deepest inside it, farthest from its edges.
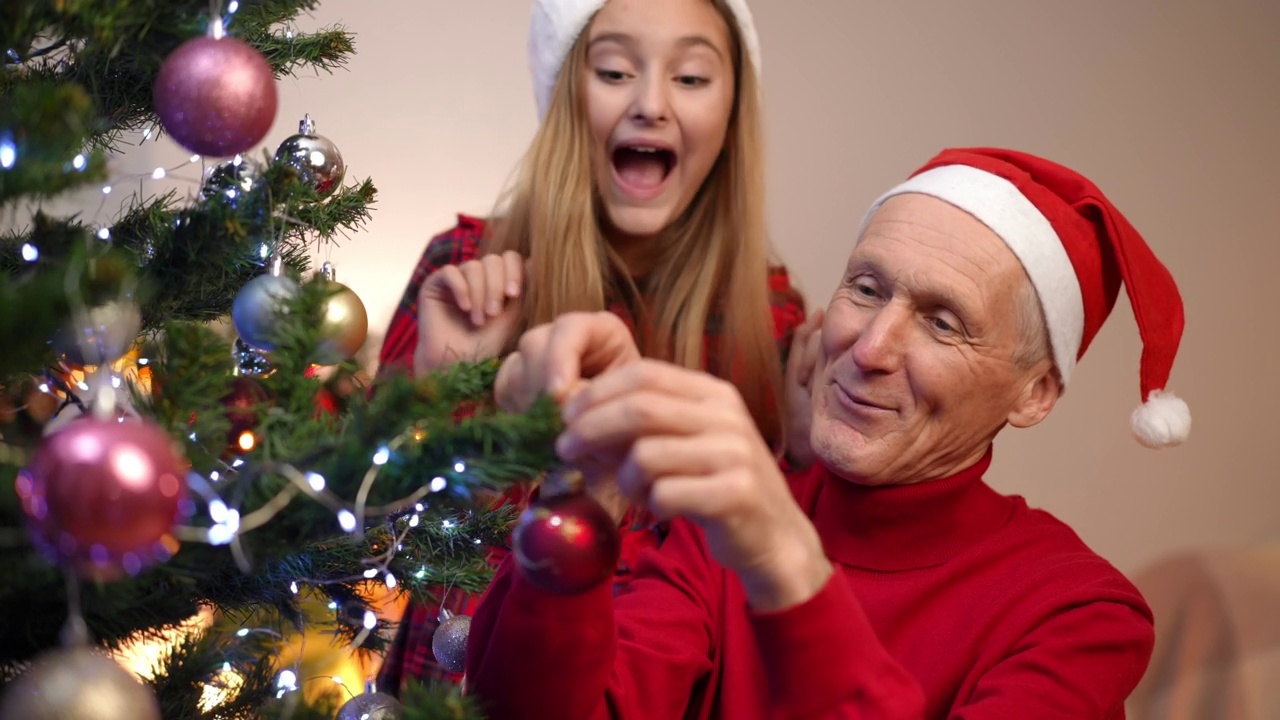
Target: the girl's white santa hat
(556, 25)
(1077, 248)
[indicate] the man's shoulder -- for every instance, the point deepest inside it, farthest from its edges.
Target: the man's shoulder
(1051, 559)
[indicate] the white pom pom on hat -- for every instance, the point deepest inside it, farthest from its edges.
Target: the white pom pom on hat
(556, 25)
(1077, 249)
(1164, 420)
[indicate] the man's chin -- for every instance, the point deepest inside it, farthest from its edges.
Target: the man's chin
(840, 448)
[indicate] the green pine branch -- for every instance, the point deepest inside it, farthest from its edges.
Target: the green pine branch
(43, 125)
(113, 49)
(35, 301)
(303, 549)
(201, 661)
(191, 260)
(438, 701)
(326, 49)
(399, 458)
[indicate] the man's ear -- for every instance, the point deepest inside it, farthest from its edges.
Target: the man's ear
(1038, 397)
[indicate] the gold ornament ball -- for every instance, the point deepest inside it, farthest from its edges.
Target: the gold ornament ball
(77, 684)
(344, 327)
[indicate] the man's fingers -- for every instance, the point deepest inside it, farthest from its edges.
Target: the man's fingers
(696, 497)
(508, 383)
(557, 357)
(616, 423)
(651, 375)
(581, 346)
(652, 459)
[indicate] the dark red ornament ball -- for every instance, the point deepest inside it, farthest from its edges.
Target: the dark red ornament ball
(242, 405)
(566, 544)
(216, 97)
(243, 402)
(102, 496)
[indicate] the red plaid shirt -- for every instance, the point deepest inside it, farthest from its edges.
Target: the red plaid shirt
(410, 655)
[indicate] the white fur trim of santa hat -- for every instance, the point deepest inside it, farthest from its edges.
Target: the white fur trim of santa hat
(556, 25)
(999, 205)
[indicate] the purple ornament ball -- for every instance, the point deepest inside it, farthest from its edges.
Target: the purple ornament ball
(216, 97)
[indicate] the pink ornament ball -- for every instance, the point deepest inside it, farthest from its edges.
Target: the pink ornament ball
(102, 496)
(216, 97)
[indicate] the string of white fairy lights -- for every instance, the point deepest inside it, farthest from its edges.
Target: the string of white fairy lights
(228, 526)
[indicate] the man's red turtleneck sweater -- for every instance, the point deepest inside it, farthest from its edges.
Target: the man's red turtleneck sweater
(949, 600)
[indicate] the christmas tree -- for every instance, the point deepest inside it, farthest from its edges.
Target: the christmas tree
(163, 477)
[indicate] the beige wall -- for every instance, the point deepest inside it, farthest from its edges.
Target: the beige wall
(1172, 106)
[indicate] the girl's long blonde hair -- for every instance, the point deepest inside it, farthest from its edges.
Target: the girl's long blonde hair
(715, 256)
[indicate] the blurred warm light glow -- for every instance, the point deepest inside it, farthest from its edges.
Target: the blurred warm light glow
(143, 656)
(227, 685)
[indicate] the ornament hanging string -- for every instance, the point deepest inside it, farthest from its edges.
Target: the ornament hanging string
(448, 641)
(217, 27)
(75, 633)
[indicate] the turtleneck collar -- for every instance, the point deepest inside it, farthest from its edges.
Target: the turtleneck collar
(907, 527)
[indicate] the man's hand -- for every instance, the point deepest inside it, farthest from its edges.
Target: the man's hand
(557, 357)
(468, 311)
(802, 362)
(685, 444)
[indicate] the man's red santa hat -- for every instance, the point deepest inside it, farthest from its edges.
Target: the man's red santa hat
(1077, 248)
(556, 25)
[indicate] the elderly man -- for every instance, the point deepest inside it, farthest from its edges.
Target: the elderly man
(888, 580)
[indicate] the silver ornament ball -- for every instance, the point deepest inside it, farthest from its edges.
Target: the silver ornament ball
(77, 684)
(249, 361)
(258, 308)
(315, 157)
(449, 643)
(102, 335)
(371, 706)
(229, 180)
